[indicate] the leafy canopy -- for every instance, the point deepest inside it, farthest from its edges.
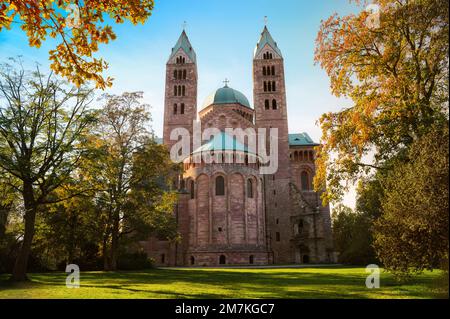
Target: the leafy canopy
(396, 74)
(79, 25)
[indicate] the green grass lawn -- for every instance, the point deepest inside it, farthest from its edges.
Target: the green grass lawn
(320, 282)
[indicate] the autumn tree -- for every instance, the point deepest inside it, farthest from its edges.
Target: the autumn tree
(79, 26)
(134, 173)
(42, 121)
(396, 74)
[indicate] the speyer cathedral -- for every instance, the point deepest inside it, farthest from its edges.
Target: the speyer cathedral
(230, 213)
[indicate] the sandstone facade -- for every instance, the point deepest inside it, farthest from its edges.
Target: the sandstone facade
(230, 213)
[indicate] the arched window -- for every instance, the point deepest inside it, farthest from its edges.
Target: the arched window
(274, 104)
(182, 108)
(273, 70)
(222, 260)
(192, 260)
(266, 104)
(192, 189)
(183, 90)
(249, 188)
(175, 91)
(273, 86)
(184, 74)
(175, 106)
(175, 73)
(264, 70)
(251, 259)
(179, 90)
(220, 186)
(270, 55)
(304, 177)
(265, 86)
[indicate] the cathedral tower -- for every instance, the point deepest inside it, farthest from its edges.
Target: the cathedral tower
(269, 96)
(180, 104)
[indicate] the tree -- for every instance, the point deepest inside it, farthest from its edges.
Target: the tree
(412, 233)
(352, 236)
(132, 165)
(397, 77)
(79, 25)
(370, 195)
(42, 122)
(8, 204)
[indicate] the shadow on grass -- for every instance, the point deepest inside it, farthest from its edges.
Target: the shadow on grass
(342, 282)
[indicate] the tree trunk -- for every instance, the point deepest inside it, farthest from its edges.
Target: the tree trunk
(106, 263)
(71, 248)
(20, 266)
(115, 242)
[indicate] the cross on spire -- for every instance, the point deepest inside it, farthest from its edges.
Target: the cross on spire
(184, 25)
(265, 20)
(226, 81)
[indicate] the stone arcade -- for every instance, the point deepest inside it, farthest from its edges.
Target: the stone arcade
(228, 213)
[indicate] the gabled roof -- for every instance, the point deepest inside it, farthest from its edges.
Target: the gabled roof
(184, 44)
(301, 139)
(266, 38)
(223, 142)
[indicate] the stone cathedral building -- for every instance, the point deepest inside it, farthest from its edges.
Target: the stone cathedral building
(230, 213)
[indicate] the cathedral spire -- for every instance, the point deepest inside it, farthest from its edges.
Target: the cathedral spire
(184, 44)
(266, 39)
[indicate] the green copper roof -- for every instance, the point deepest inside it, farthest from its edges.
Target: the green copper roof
(184, 44)
(226, 95)
(223, 142)
(301, 139)
(266, 38)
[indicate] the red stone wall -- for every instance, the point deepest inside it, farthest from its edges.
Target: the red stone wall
(277, 186)
(172, 120)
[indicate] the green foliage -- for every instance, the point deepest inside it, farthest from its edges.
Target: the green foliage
(412, 234)
(134, 261)
(352, 236)
(369, 196)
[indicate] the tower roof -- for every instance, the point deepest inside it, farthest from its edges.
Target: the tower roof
(184, 44)
(266, 38)
(301, 139)
(223, 142)
(226, 95)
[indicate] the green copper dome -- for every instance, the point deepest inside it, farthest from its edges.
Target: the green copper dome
(226, 95)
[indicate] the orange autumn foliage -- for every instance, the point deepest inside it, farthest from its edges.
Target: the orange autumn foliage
(79, 25)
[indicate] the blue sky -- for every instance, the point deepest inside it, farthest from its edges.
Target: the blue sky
(223, 34)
